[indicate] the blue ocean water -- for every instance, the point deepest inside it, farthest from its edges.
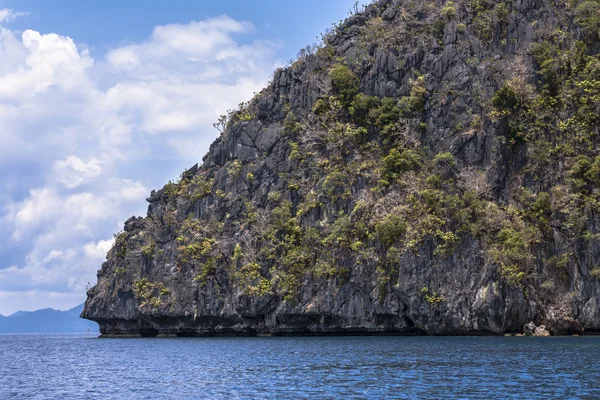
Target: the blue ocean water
(83, 367)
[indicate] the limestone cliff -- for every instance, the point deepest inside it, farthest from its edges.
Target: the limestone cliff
(431, 168)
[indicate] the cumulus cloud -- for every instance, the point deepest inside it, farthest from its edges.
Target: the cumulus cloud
(85, 137)
(98, 250)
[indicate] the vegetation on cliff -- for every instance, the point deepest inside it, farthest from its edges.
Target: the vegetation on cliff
(429, 167)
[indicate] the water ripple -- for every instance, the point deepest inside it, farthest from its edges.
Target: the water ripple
(82, 367)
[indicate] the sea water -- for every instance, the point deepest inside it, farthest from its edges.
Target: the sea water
(84, 367)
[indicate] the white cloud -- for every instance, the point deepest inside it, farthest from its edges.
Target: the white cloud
(98, 250)
(52, 60)
(7, 15)
(83, 140)
(199, 41)
(72, 171)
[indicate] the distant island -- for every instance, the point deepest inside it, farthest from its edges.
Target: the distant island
(47, 320)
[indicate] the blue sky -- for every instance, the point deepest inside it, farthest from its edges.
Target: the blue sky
(101, 102)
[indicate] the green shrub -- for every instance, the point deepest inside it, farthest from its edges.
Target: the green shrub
(361, 108)
(295, 152)
(291, 124)
(506, 100)
(195, 251)
(512, 252)
(542, 206)
(340, 231)
(483, 25)
(444, 160)
(148, 250)
(170, 189)
(386, 116)
(120, 244)
(344, 82)
(399, 161)
(274, 196)
(579, 172)
(235, 168)
(358, 135)
(587, 15)
(448, 11)
(415, 102)
(390, 229)
(593, 173)
(320, 107)
(207, 270)
(200, 188)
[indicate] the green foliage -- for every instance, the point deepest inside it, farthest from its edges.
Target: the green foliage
(357, 134)
(149, 293)
(242, 113)
(274, 196)
(291, 124)
(237, 254)
(335, 184)
(399, 161)
(251, 280)
(505, 100)
(512, 252)
(587, 15)
(489, 15)
(361, 108)
(448, 11)
(431, 298)
(340, 233)
(235, 168)
(320, 107)
(148, 250)
(344, 82)
(120, 244)
(386, 116)
(207, 270)
(281, 215)
(595, 272)
(444, 160)
(195, 251)
(295, 153)
(200, 187)
(415, 102)
(583, 172)
(170, 189)
(390, 229)
(542, 207)
(449, 241)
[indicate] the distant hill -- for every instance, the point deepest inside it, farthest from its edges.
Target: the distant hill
(47, 321)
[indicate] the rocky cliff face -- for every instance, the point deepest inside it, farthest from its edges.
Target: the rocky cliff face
(432, 168)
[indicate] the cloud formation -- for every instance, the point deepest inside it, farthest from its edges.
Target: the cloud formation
(84, 139)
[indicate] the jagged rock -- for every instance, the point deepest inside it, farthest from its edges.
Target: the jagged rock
(529, 329)
(443, 205)
(541, 331)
